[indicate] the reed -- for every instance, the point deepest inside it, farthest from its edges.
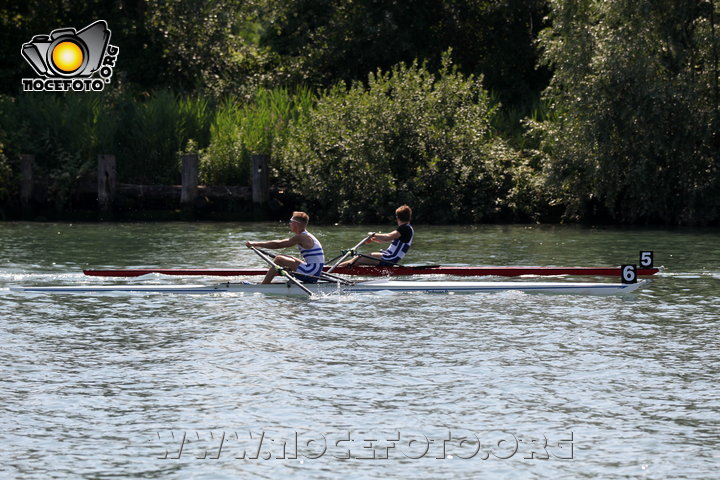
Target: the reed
(147, 132)
(48, 124)
(240, 130)
(223, 161)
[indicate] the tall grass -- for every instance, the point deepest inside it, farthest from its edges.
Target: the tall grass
(146, 133)
(59, 131)
(47, 125)
(223, 161)
(66, 132)
(242, 129)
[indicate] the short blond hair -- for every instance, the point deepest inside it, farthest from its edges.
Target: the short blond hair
(301, 217)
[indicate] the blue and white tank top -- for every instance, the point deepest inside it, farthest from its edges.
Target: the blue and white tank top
(400, 246)
(314, 254)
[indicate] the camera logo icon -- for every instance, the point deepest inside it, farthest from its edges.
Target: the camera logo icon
(71, 60)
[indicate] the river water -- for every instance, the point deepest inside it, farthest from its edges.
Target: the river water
(501, 385)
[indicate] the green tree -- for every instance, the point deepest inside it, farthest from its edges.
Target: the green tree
(186, 45)
(633, 131)
(20, 21)
(343, 40)
(410, 136)
(6, 179)
(210, 45)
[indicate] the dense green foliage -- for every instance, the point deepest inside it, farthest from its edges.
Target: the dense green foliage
(633, 132)
(66, 133)
(408, 137)
(335, 40)
(6, 178)
(186, 45)
(608, 111)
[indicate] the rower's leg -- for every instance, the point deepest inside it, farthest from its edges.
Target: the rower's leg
(362, 260)
(269, 275)
(285, 261)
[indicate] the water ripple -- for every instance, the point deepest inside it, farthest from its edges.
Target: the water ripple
(108, 386)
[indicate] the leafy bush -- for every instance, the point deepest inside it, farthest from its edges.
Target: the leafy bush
(6, 178)
(59, 131)
(409, 136)
(43, 123)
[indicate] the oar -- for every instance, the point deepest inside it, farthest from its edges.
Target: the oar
(322, 276)
(394, 264)
(325, 277)
(351, 251)
(333, 278)
(281, 270)
(269, 254)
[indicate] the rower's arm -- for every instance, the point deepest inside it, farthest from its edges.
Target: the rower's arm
(288, 242)
(386, 237)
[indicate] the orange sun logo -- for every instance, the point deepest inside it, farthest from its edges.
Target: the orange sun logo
(67, 56)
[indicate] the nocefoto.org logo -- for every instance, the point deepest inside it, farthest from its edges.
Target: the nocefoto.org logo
(68, 60)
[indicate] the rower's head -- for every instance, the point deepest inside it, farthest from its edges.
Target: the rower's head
(403, 214)
(299, 221)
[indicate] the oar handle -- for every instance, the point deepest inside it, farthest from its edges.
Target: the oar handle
(349, 252)
(281, 270)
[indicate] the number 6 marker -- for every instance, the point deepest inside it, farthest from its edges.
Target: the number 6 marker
(629, 273)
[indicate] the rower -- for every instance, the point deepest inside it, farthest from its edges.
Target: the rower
(401, 239)
(307, 269)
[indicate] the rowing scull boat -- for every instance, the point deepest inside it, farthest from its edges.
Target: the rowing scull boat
(381, 271)
(360, 287)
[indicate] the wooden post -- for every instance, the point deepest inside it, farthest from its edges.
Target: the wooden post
(189, 178)
(107, 180)
(260, 190)
(27, 163)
